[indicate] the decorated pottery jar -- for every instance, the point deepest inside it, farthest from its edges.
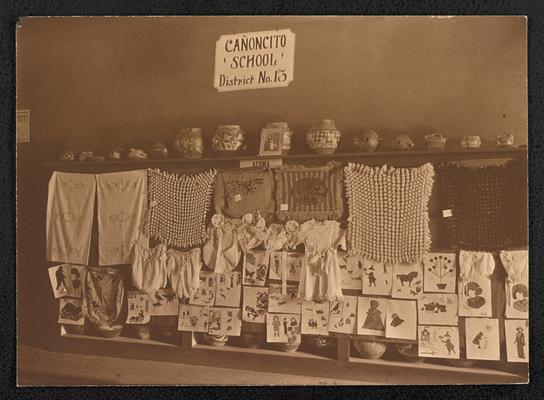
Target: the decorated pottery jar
(367, 140)
(402, 142)
(159, 150)
(323, 137)
(189, 143)
(435, 141)
(228, 139)
(68, 155)
(505, 139)
(471, 142)
(287, 135)
(409, 352)
(369, 349)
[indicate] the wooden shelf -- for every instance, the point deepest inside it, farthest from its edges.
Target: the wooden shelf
(379, 156)
(380, 371)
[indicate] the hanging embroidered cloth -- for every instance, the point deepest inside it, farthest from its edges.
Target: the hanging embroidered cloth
(488, 205)
(244, 191)
(388, 219)
(178, 205)
(304, 193)
(122, 206)
(70, 205)
(221, 252)
(149, 272)
(103, 296)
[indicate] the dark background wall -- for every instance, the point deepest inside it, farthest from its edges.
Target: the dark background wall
(97, 83)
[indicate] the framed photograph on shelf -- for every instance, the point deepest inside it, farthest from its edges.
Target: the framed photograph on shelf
(271, 142)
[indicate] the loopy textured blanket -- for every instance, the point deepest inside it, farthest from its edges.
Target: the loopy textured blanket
(388, 218)
(178, 205)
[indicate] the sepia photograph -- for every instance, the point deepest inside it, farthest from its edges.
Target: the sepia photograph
(272, 200)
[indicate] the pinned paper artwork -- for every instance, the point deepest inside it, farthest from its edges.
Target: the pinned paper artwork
(440, 272)
(516, 265)
(482, 339)
(67, 280)
(193, 318)
(401, 319)
(287, 303)
(70, 312)
(376, 278)
(293, 265)
(205, 294)
(437, 309)
(255, 267)
(517, 340)
(164, 302)
(138, 307)
(229, 289)
(438, 341)
(475, 297)
(343, 315)
(407, 280)
(351, 271)
(224, 321)
(371, 312)
(283, 328)
(315, 318)
(255, 304)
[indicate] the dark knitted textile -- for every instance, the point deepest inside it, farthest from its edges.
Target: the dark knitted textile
(489, 205)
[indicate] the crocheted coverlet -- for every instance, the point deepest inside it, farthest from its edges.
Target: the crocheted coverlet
(178, 206)
(388, 219)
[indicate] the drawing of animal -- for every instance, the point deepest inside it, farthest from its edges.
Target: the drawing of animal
(434, 307)
(396, 320)
(407, 278)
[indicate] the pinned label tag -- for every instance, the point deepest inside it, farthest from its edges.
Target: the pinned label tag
(284, 207)
(447, 213)
(237, 197)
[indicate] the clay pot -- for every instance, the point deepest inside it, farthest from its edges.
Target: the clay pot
(471, 142)
(323, 137)
(141, 331)
(368, 349)
(159, 150)
(287, 135)
(215, 340)
(189, 143)
(435, 141)
(108, 331)
(252, 340)
(367, 140)
(402, 142)
(228, 139)
(505, 139)
(409, 352)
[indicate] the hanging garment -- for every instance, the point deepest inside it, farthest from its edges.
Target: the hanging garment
(475, 269)
(244, 191)
(70, 205)
(388, 218)
(516, 264)
(178, 205)
(122, 206)
(221, 252)
(103, 295)
(488, 205)
(149, 268)
(303, 193)
(251, 231)
(183, 271)
(320, 277)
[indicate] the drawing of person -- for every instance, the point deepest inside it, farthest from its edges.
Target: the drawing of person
(473, 291)
(215, 321)
(520, 296)
(276, 325)
(425, 335)
(373, 317)
(520, 342)
(76, 282)
(285, 326)
(449, 345)
(480, 340)
(370, 276)
(59, 275)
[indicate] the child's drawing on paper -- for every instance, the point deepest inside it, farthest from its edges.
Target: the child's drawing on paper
(283, 303)
(224, 321)
(205, 295)
(67, 280)
(482, 339)
(193, 318)
(407, 280)
(517, 340)
(438, 341)
(229, 289)
(440, 272)
(376, 277)
(437, 309)
(315, 318)
(343, 315)
(475, 297)
(255, 304)
(371, 312)
(164, 302)
(255, 267)
(401, 319)
(283, 328)
(351, 270)
(138, 307)
(70, 312)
